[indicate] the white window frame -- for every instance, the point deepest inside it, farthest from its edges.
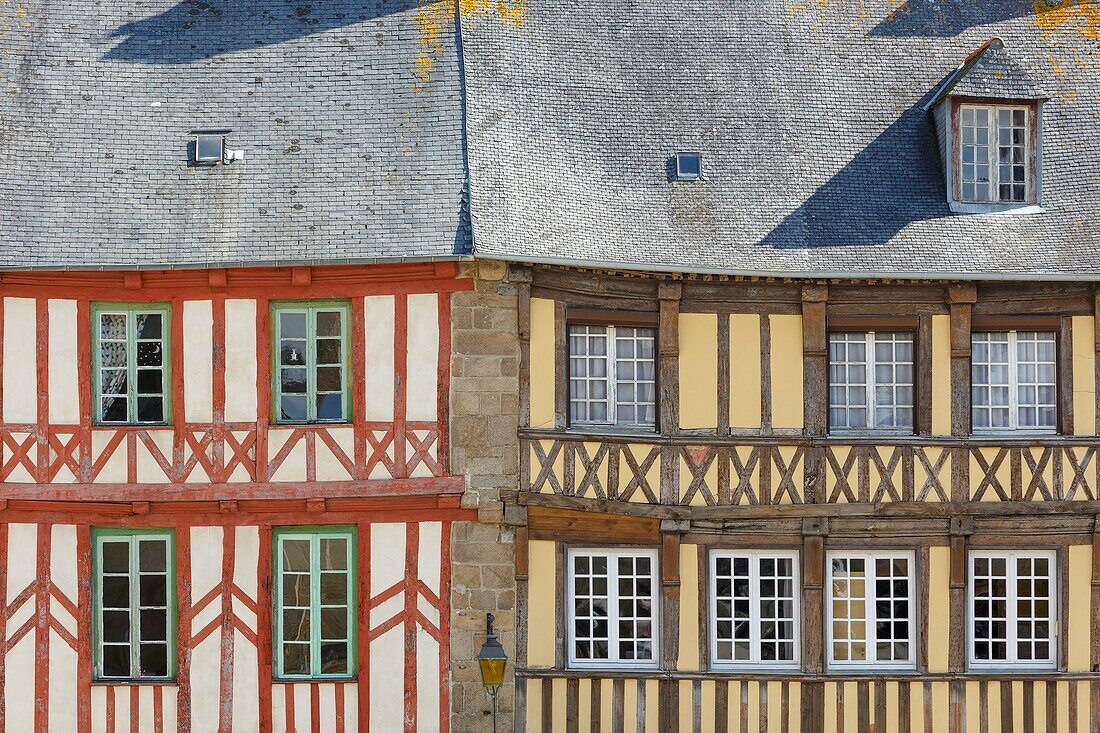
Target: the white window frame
(612, 379)
(870, 618)
(994, 159)
(871, 383)
(1012, 663)
(755, 662)
(1013, 388)
(613, 661)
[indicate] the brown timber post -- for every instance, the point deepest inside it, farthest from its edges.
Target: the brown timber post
(961, 529)
(521, 276)
(668, 385)
(1094, 624)
(517, 515)
(815, 397)
(1096, 341)
(961, 299)
(668, 708)
(813, 629)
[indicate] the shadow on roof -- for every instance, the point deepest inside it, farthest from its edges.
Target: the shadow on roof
(894, 181)
(946, 18)
(194, 30)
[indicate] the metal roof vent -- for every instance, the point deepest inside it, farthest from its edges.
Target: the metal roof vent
(689, 166)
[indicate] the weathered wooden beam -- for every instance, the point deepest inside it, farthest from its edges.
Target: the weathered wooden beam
(924, 375)
(561, 376)
(961, 529)
(813, 589)
(1065, 376)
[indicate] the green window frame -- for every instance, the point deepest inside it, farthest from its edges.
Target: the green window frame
(126, 633)
(132, 363)
(314, 631)
(309, 362)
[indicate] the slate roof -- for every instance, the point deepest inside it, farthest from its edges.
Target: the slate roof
(990, 71)
(348, 111)
(818, 156)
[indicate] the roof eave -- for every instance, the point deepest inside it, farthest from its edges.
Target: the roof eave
(798, 275)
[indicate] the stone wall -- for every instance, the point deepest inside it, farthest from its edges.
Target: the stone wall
(485, 449)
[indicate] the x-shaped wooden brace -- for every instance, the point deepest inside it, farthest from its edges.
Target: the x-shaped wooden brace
(990, 479)
(1037, 482)
(238, 454)
(786, 476)
(420, 451)
(744, 473)
(932, 480)
(638, 478)
(20, 454)
(199, 455)
(698, 462)
(65, 454)
(591, 466)
(546, 467)
(885, 475)
(1079, 479)
(842, 487)
(378, 447)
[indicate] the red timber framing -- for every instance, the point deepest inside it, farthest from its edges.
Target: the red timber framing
(221, 451)
(228, 479)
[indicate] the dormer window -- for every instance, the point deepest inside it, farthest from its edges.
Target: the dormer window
(988, 114)
(993, 154)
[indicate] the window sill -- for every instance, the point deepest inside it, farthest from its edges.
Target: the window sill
(1022, 209)
(312, 680)
(157, 682)
(604, 429)
(612, 667)
(1008, 668)
(756, 670)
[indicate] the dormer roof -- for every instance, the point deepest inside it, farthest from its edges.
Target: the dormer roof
(990, 71)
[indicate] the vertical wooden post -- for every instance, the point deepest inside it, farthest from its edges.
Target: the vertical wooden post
(1065, 376)
(812, 614)
(924, 375)
(1096, 341)
(724, 373)
(961, 529)
(815, 398)
(961, 299)
(561, 373)
(522, 278)
(522, 575)
(668, 384)
(669, 704)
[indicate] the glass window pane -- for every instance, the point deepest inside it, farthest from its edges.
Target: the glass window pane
(334, 553)
(292, 325)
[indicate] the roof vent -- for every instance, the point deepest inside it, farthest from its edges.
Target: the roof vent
(689, 166)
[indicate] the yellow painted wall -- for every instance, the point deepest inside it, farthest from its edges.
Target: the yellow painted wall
(941, 375)
(541, 612)
(786, 366)
(688, 659)
(698, 370)
(939, 607)
(542, 363)
(1084, 375)
(1080, 591)
(744, 370)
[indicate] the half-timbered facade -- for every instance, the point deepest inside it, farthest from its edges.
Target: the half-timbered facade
(168, 548)
(808, 373)
(227, 267)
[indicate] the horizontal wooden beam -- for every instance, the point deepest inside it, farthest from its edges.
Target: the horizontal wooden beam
(107, 492)
(973, 441)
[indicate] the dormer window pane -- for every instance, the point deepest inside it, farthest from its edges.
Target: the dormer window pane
(989, 134)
